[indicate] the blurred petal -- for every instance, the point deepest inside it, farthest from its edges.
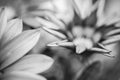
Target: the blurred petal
(55, 33)
(84, 7)
(51, 17)
(80, 49)
(31, 21)
(108, 12)
(18, 47)
(113, 32)
(35, 63)
(47, 24)
(10, 13)
(21, 75)
(65, 12)
(14, 28)
(99, 50)
(62, 43)
(111, 40)
(3, 22)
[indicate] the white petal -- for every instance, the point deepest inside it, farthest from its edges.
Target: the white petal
(84, 7)
(10, 13)
(55, 33)
(18, 47)
(31, 21)
(47, 24)
(3, 22)
(65, 12)
(14, 28)
(108, 12)
(34, 63)
(21, 75)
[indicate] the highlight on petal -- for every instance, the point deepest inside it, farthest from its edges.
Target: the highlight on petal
(34, 63)
(18, 47)
(13, 29)
(3, 22)
(21, 75)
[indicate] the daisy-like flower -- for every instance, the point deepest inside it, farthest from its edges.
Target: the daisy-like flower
(93, 37)
(14, 45)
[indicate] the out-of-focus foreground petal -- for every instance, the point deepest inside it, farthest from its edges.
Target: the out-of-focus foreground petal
(108, 12)
(18, 47)
(21, 75)
(10, 13)
(13, 29)
(3, 22)
(84, 7)
(34, 63)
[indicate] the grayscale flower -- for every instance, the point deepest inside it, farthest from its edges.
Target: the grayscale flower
(94, 37)
(14, 45)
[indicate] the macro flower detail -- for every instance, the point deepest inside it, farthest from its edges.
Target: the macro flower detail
(93, 38)
(15, 44)
(59, 39)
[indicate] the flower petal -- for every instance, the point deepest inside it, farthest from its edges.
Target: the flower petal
(18, 47)
(47, 24)
(84, 7)
(55, 33)
(113, 32)
(21, 75)
(50, 17)
(3, 22)
(108, 12)
(31, 21)
(13, 29)
(10, 13)
(111, 40)
(34, 63)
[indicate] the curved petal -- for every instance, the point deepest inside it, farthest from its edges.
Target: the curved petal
(14, 28)
(55, 33)
(34, 63)
(65, 12)
(50, 16)
(108, 12)
(31, 21)
(21, 75)
(84, 7)
(18, 47)
(3, 22)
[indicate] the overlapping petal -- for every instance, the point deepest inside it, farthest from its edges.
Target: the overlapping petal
(84, 7)
(34, 63)
(13, 29)
(21, 75)
(3, 22)
(108, 12)
(18, 47)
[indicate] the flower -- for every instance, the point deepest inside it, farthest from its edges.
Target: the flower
(87, 36)
(15, 43)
